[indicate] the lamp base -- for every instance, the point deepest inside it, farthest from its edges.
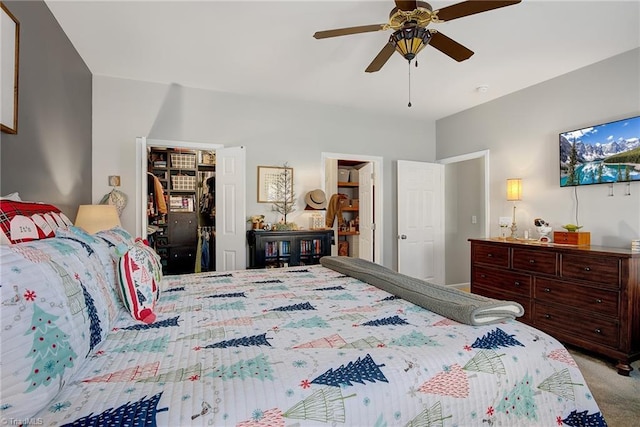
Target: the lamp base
(514, 231)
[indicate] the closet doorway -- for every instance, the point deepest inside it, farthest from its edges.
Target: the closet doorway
(362, 191)
(191, 204)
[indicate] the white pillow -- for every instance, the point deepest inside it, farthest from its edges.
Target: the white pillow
(12, 196)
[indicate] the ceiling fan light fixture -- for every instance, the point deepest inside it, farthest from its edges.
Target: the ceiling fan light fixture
(408, 41)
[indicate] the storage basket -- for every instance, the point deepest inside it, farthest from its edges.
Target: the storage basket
(183, 161)
(183, 182)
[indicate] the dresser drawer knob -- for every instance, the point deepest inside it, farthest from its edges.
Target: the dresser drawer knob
(547, 290)
(597, 331)
(489, 255)
(532, 261)
(587, 269)
(516, 283)
(598, 301)
(547, 316)
(483, 276)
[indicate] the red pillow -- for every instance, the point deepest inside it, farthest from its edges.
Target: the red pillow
(27, 221)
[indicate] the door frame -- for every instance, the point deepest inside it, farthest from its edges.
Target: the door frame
(379, 197)
(483, 154)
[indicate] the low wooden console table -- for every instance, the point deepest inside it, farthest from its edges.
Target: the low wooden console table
(586, 296)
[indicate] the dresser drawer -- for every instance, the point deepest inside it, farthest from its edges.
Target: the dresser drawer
(535, 261)
(492, 255)
(585, 298)
(502, 281)
(603, 270)
(566, 325)
(181, 259)
(491, 292)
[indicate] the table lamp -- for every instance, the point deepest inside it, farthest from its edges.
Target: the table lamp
(94, 218)
(514, 194)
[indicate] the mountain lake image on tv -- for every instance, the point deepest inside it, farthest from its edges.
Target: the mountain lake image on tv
(601, 154)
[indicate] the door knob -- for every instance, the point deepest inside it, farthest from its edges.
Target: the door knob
(403, 236)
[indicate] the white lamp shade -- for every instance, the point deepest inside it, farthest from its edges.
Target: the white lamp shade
(514, 189)
(94, 218)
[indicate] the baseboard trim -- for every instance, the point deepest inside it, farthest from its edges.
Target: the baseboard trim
(461, 286)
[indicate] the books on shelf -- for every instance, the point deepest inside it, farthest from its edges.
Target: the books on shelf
(183, 203)
(280, 248)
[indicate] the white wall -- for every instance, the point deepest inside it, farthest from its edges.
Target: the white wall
(521, 131)
(274, 131)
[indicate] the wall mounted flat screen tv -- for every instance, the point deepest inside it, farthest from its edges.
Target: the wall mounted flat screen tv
(601, 154)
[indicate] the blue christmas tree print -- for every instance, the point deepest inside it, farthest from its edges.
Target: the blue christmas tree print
(414, 339)
(94, 320)
(519, 401)
(84, 245)
(156, 325)
(295, 307)
(155, 345)
(180, 288)
(256, 340)
(331, 288)
(258, 367)
(312, 322)
(582, 419)
(268, 281)
(363, 369)
(229, 295)
(51, 349)
(393, 320)
(391, 298)
(134, 414)
(496, 338)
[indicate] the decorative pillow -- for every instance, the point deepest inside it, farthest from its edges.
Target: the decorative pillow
(12, 196)
(139, 276)
(115, 236)
(27, 221)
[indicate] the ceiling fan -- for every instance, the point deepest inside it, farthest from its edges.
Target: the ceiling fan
(409, 20)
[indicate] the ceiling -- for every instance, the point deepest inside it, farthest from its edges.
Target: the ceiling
(266, 48)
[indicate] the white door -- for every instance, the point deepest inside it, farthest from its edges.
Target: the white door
(366, 190)
(420, 220)
(231, 253)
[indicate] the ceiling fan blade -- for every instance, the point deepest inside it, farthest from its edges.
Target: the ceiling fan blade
(471, 7)
(348, 31)
(407, 6)
(381, 59)
(449, 46)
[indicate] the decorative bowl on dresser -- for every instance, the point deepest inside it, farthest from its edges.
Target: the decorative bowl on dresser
(586, 296)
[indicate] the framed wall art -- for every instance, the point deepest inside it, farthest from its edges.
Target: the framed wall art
(275, 184)
(9, 54)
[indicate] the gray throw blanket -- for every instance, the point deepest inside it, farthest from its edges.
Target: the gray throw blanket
(460, 306)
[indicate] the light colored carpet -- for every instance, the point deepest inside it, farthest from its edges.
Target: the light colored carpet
(617, 396)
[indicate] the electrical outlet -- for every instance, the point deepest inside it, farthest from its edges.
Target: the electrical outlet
(474, 219)
(505, 220)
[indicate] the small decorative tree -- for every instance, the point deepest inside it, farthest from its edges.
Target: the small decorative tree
(284, 202)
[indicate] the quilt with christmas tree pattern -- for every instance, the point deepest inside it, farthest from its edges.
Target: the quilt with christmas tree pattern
(303, 346)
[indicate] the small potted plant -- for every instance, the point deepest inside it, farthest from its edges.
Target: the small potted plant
(256, 221)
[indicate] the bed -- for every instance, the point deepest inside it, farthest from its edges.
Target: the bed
(299, 346)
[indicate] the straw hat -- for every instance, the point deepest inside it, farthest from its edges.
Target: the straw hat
(316, 199)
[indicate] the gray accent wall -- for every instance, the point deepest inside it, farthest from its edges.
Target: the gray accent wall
(49, 159)
(521, 131)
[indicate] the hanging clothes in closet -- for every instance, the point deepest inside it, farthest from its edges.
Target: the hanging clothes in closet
(204, 252)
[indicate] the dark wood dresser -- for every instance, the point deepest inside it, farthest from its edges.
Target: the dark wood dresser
(586, 296)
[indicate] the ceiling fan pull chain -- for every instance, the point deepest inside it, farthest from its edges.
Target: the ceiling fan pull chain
(409, 105)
